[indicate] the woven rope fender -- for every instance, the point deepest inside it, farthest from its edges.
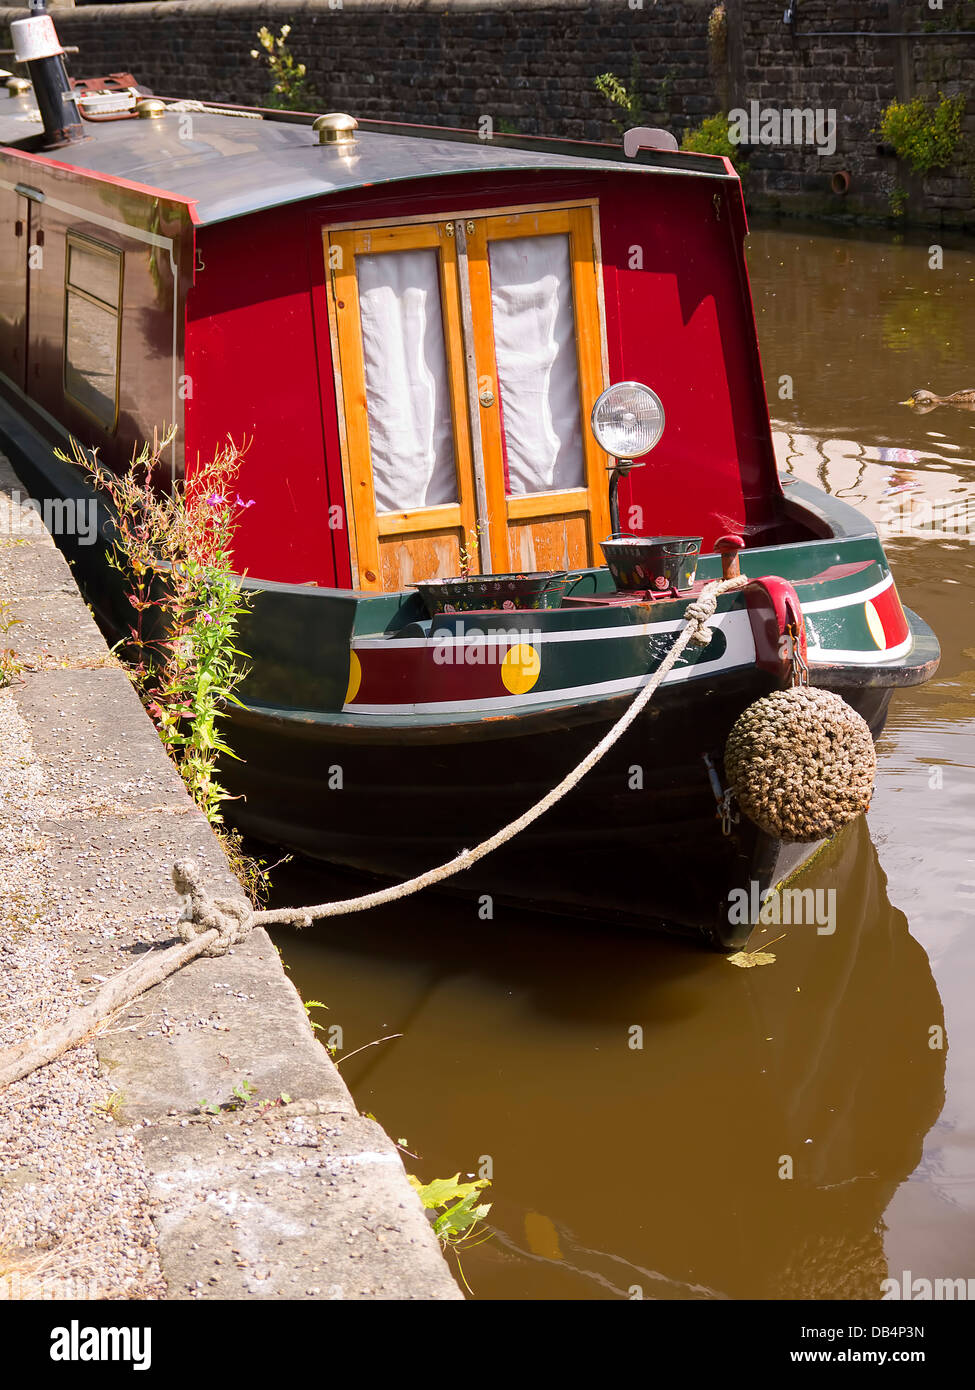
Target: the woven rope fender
(801, 763)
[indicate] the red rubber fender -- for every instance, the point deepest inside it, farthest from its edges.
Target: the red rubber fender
(773, 607)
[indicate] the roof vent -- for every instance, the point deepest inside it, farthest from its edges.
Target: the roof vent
(150, 108)
(643, 137)
(336, 128)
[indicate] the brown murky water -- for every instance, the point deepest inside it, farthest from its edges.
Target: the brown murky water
(617, 1168)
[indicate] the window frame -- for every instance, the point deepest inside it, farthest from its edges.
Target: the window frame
(114, 253)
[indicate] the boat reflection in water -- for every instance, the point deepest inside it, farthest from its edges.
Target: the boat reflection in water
(663, 1167)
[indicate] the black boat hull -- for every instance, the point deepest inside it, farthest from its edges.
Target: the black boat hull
(638, 842)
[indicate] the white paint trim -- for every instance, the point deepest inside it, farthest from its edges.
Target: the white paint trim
(823, 605)
(607, 633)
(735, 623)
(831, 655)
(533, 635)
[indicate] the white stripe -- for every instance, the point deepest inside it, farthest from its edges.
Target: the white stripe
(602, 634)
(860, 658)
(534, 635)
(821, 605)
(736, 654)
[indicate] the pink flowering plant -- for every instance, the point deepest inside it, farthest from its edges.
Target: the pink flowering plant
(173, 547)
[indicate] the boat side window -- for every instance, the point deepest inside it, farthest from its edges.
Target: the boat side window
(92, 327)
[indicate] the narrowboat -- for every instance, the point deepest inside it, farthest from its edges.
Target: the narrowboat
(430, 339)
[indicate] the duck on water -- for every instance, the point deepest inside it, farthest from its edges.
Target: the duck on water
(923, 401)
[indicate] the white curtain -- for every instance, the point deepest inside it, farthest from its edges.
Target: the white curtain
(534, 335)
(407, 397)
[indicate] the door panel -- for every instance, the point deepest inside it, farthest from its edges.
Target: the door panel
(555, 543)
(534, 295)
(404, 559)
(408, 467)
(470, 355)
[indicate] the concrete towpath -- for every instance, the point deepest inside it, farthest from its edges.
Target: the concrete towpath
(112, 1183)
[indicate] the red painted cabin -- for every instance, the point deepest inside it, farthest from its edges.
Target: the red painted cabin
(215, 231)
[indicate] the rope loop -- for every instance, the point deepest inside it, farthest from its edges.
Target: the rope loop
(231, 918)
(698, 614)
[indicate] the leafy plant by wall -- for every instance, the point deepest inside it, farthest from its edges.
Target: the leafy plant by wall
(718, 34)
(711, 137)
(174, 551)
(290, 88)
(608, 85)
(925, 137)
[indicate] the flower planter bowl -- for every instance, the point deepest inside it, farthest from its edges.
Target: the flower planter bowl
(467, 593)
(652, 562)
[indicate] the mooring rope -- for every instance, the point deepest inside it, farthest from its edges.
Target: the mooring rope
(233, 919)
(209, 927)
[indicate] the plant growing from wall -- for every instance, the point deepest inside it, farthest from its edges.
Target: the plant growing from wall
(925, 137)
(664, 91)
(897, 201)
(624, 96)
(290, 88)
(711, 137)
(173, 548)
(718, 34)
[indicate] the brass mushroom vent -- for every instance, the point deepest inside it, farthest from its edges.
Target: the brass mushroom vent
(335, 128)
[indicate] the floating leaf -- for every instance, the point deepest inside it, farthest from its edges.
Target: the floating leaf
(746, 959)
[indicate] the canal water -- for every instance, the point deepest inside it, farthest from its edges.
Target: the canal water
(662, 1170)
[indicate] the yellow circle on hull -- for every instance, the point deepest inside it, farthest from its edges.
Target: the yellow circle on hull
(875, 625)
(355, 678)
(520, 668)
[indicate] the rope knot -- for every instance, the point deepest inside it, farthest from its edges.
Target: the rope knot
(699, 612)
(231, 917)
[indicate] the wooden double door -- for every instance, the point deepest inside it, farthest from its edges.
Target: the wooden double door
(469, 355)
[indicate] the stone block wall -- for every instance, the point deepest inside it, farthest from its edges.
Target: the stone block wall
(530, 65)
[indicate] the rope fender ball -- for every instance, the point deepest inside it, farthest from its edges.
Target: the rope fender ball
(801, 762)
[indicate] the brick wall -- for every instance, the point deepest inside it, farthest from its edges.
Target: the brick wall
(530, 65)
(857, 77)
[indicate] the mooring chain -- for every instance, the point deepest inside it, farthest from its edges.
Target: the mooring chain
(233, 918)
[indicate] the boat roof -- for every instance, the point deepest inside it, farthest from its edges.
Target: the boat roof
(232, 161)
